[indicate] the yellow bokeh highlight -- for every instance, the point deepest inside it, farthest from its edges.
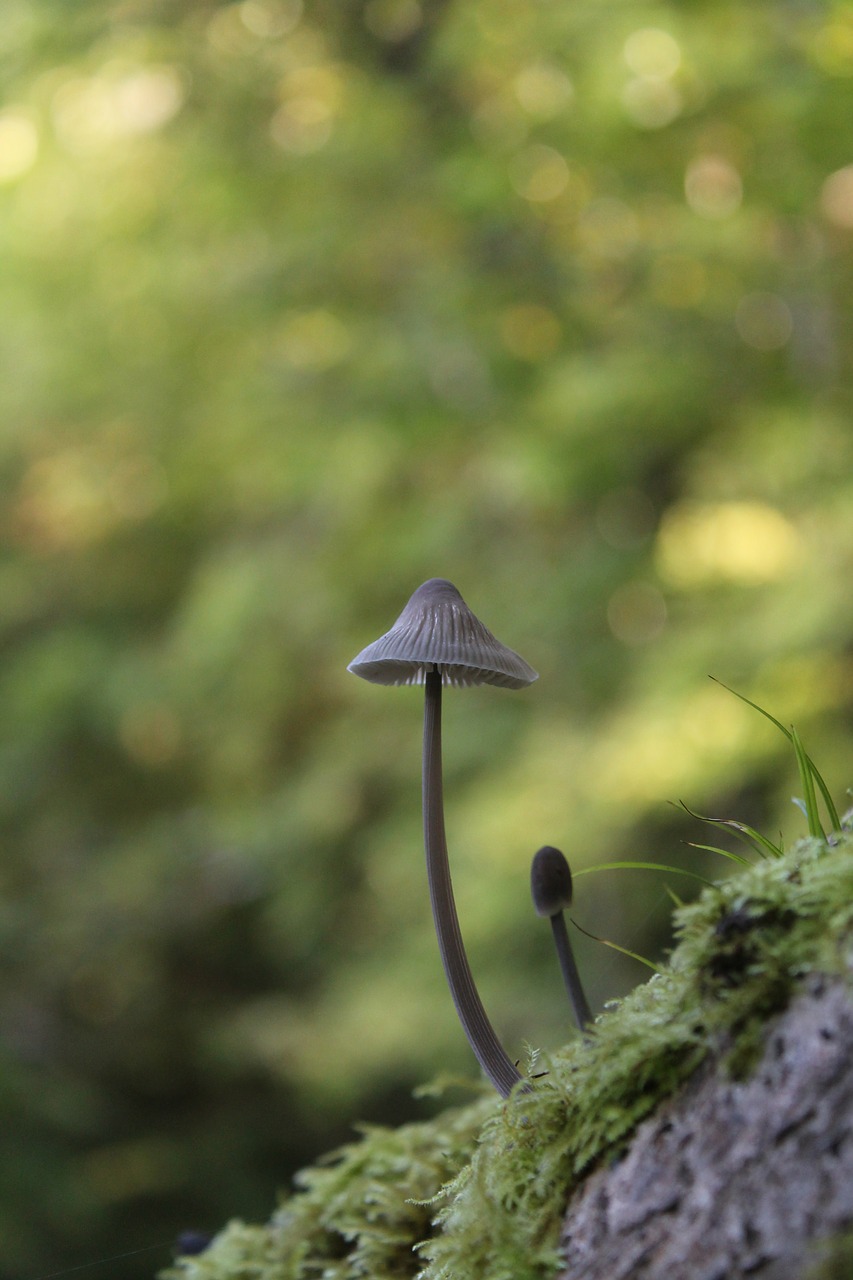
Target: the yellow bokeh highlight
(832, 45)
(539, 173)
(651, 755)
(652, 102)
(236, 30)
(19, 144)
(650, 98)
(713, 187)
(650, 51)
(543, 90)
(311, 99)
(120, 101)
(270, 20)
(393, 20)
(836, 198)
(77, 495)
(747, 543)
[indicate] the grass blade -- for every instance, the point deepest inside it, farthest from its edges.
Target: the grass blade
(673, 897)
(832, 812)
(614, 946)
(641, 866)
(746, 833)
(834, 820)
(724, 853)
(807, 779)
(778, 723)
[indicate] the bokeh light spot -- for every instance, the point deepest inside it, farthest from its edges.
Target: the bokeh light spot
(832, 46)
(229, 32)
(19, 144)
(496, 124)
(836, 198)
(147, 99)
(652, 102)
(636, 613)
(60, 502)
(539, 173)
(302, 126)
(652, 52)
(311, 98)
(393, 20)
(268, 20)
(500, 24)
(625, 518)
(713, 187)
(90, 113)
(543, 90)
(741, 542)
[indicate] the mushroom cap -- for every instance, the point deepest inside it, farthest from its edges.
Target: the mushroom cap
(437, 629)
(550, 881)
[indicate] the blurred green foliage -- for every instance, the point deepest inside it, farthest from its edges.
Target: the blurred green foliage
(303, 303)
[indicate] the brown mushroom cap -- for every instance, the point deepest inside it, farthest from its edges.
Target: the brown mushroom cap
(437, 629)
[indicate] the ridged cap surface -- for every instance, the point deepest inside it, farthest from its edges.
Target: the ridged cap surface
(437, 629)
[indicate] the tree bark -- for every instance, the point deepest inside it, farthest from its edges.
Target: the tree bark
(733, 1179)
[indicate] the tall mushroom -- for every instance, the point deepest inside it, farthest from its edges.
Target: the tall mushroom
(437, 640)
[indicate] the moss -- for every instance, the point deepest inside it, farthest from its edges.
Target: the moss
(479, 1193)
(835, 1259)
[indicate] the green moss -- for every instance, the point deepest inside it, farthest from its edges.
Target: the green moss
(479, 1193)
(834, 1259)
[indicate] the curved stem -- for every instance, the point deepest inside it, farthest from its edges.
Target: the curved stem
(481, 1035)
(569, 970)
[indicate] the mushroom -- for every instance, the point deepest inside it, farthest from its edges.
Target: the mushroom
(551, 889)
(437, 640)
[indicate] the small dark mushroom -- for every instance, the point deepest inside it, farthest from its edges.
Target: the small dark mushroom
(437, 640)
(551, 889)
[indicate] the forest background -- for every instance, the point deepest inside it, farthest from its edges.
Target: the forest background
(301, 304)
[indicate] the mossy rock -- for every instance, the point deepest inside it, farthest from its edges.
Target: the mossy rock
(480, 1193)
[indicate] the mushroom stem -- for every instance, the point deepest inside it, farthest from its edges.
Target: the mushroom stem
(569, 970)
(481, 1035)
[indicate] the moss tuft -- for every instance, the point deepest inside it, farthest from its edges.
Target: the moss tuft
(479, 1193)
(834, 1259)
